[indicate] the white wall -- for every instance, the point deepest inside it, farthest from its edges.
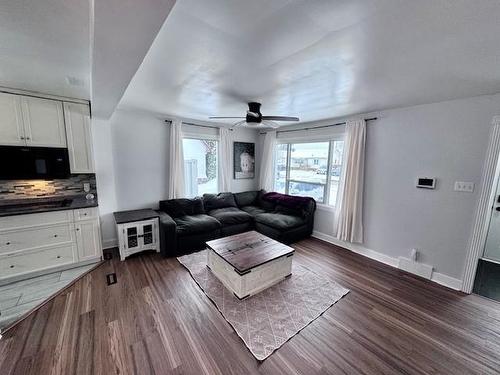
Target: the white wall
(445, 140)
(105, 176)
(131, 151)
(140, 150)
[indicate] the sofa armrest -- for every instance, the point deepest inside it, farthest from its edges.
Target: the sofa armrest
(309, 212)
(168, 235)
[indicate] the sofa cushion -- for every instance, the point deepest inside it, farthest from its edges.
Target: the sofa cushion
(279, 221)
(230, 215)
(182, 207)
(281, 209)
(221, 200)
(291, 201)
(246, 198)
(193, 224)
(263, 203)
(253, 210)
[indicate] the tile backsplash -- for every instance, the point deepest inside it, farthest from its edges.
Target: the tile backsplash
(18, 189)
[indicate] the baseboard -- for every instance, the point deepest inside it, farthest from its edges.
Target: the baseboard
(445, 280)
(109, 243)
(358, 249)
(437, 277)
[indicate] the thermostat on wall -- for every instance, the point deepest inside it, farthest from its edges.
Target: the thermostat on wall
(426, 183)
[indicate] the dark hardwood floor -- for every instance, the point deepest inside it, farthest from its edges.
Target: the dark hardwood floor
(156, 320)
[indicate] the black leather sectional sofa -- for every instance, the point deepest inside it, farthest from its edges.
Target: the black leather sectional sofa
(186, 224)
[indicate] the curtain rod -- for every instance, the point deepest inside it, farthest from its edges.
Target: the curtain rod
(318, 127)
(201, 126)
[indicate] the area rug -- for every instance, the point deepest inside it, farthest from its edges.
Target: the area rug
(267, 320)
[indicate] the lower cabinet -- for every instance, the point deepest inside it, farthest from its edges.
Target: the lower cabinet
(43, 242)
(138, 236)
(88, 240)
(37, 260)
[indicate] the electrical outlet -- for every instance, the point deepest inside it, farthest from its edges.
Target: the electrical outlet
(86, 187)
(468, 187)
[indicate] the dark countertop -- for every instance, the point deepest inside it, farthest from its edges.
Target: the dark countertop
(10, 207)
(134, 215)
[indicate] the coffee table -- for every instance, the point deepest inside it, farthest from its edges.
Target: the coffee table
(249, 262)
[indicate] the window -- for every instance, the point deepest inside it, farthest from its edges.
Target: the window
(200, 166)
(309, 169)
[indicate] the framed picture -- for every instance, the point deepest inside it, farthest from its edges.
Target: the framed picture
(244, 160)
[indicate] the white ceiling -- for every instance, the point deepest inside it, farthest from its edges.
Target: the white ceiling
(42, 43)
(123, 33)
(318, 58)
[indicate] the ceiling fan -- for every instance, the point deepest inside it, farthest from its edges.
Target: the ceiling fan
(254, 118)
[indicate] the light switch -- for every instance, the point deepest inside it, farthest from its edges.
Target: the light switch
(468, 187)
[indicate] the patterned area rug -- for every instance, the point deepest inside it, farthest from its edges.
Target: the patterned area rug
(267, 320)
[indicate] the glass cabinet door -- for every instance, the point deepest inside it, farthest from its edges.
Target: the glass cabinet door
(132, 237)
(147, 234)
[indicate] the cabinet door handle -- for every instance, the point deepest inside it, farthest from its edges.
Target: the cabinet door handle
(21, 137)
(55, 235)
(11, 266)
(77, 229)
(58, 256)
(28, 138)
(7, 243)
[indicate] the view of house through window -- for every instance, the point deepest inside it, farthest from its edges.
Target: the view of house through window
(200, 166)
(309, 169)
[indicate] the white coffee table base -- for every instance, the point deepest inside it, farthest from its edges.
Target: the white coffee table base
(253, 281)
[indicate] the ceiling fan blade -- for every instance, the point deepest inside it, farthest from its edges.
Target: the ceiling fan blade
(280, 118)
(269, 124)
(215, 117)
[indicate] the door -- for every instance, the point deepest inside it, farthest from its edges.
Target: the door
(132, 236)
(87, 240)
(492, 247)
(11, 121)
(77, 119)
(43, 122)
(148, 235)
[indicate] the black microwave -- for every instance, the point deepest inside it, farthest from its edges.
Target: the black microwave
(22, 163)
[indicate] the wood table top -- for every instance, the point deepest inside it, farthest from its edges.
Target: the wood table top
(248, 250)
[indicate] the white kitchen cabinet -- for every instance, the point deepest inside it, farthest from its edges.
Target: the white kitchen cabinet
(43, 122)
(88, 240)
(11, 120)
(77, 120)
(34, 244)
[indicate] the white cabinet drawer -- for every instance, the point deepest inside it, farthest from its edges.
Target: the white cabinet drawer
(86, 213)
(25, 239)
(31, 220)
(11, 265)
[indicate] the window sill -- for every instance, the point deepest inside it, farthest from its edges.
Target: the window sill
(325, 207)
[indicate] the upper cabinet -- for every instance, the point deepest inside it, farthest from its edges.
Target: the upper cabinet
(39, 122)
(43, 122)
(77, 119)
(27, 121)
(11, 121)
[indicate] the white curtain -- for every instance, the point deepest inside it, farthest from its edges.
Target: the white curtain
(350, 203)
(266, 177)
(176, 171)
(226, 157)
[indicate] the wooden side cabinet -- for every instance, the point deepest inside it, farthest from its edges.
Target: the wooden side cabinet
(138, 230)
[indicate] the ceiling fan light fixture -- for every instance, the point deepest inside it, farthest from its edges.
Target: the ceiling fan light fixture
(254, 118)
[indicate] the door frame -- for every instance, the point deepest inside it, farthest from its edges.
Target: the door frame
(490, 179)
